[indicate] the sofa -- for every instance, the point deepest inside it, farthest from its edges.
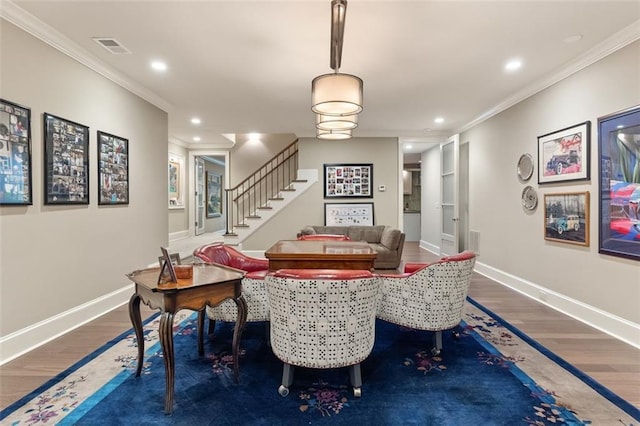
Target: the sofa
(388, 242)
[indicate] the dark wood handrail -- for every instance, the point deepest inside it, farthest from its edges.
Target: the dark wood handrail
(267, 163)
(265, 176)
(245, 200)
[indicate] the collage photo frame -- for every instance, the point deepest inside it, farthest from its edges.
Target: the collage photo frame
(15, 154)
(66, 172)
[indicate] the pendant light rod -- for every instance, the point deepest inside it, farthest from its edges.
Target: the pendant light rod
(338, 16)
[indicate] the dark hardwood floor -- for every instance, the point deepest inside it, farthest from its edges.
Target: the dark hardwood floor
(612, 363)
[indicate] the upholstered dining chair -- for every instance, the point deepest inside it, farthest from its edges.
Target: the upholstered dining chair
(322, 318)
(428, 296)
(254, 288)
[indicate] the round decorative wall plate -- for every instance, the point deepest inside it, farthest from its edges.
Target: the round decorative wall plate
(525, 167)
(529, 198)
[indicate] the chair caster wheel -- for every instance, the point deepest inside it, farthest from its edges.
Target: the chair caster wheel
(283, 391)
(357, 392)
(435, 351)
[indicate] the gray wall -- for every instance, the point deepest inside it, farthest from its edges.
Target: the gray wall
(308, 209)
(247, 156)
(55, 258)
(512, 246)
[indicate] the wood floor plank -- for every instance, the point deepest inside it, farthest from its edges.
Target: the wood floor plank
(614, 364)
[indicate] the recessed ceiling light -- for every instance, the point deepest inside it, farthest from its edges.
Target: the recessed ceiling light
(513, 65)
(438, 120)
(195, 120)
(409, 146)
(158, 66)
(196, 138)
(573, 38)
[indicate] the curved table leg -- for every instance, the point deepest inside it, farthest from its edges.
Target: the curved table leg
(166, 341)
(241, 321)
(136, 320)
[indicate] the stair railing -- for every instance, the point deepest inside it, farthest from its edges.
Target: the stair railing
(245, 200)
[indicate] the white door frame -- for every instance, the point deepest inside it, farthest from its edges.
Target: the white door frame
(449, 196)
(192, 180)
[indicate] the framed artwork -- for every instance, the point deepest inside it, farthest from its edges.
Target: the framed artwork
(348, 214)
(176, 181)
(566, 217)
(619, 191)
(214, 194)
(66, 173)
(15, 154)
(348, 180)
(564, 155)
(167, 270)
(113, 173)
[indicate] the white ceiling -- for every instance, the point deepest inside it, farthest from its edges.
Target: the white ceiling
(247, 66)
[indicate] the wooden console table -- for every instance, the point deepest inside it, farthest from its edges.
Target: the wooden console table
(209, 286)
(319, 254)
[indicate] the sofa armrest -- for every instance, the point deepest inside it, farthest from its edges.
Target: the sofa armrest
(391, 238)
(307, 230)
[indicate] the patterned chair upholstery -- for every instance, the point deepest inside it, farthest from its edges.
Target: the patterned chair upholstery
(428, 296)
(322, 318)
(254, 288)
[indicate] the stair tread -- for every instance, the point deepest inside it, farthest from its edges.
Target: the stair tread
(253, 217)
(265, 208)
(299, 180)
(276, 199)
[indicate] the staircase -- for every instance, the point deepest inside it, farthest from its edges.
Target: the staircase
(261, 196)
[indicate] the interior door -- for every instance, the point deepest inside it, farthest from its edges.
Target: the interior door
(200, 195)
(449, 184)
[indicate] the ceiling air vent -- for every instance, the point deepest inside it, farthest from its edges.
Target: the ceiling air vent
(112, 45)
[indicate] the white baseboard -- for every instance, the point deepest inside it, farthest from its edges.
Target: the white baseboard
(429, 247)
(174, 236)
(615, 326)
(612, 325)
(22, 341)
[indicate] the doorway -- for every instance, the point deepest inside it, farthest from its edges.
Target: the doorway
(208, 201)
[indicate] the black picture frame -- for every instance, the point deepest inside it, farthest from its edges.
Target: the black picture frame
(15, 155)
(66, 167)
(348, 180)
(565, 155)
(113, 169)
(167, 270)
(619, 185)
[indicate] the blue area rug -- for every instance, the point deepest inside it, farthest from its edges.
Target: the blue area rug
(491, 374)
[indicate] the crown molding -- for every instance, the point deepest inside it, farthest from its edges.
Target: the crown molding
(34, 26)
(616, 42)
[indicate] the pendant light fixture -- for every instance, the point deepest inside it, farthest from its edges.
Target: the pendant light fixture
(336, 98)
(336, 122)
(334, 135)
